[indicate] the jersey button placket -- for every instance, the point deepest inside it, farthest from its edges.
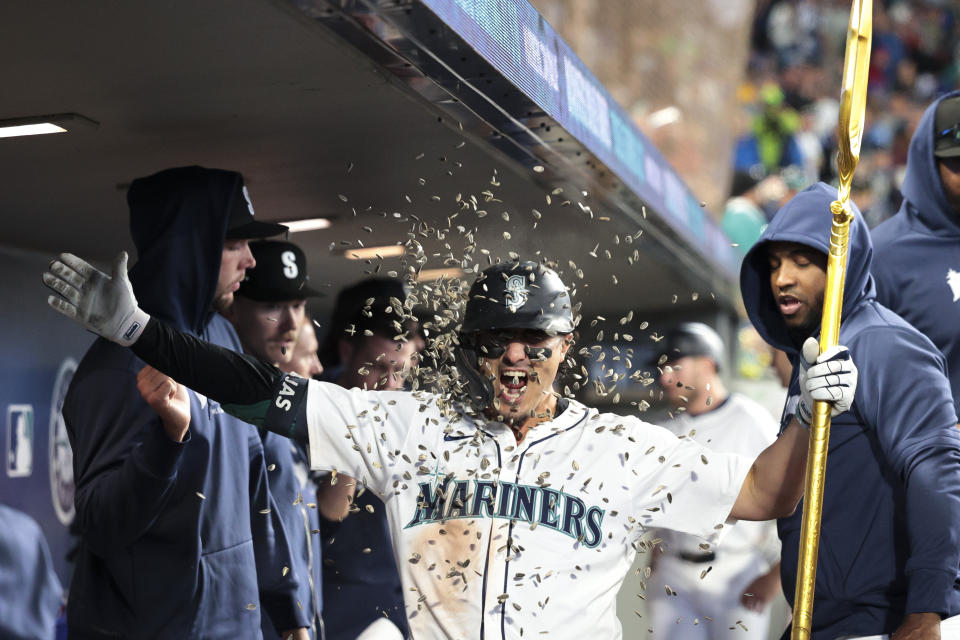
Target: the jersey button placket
(497, 534)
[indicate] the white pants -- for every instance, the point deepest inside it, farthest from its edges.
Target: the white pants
(716, 596)
(381, 629)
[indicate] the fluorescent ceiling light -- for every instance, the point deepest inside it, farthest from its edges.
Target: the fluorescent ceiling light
(310, 224)
(38, 125)
(30, 130)
(369, 253)
(429, 275)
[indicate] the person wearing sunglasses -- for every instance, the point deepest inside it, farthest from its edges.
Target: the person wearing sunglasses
(514, 511)
(917, 263)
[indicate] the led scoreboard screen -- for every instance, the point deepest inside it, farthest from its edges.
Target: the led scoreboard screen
(513, 37)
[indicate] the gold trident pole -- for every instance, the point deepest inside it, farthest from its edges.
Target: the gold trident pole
(853, 101)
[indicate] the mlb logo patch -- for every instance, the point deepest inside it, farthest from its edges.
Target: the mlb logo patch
(19, 440)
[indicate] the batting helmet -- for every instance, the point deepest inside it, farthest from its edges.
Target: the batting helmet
(693, 339)
(518, 295)
(515, 295)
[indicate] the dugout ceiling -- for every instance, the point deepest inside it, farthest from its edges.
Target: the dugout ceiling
(377, 115)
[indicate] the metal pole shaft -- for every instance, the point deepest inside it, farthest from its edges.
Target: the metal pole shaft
(853, 100)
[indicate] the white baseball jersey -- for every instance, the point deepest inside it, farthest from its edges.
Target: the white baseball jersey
(738, 425)
(499, 540)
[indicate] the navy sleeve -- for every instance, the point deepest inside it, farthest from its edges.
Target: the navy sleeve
(904, 395)
(125, 466)
(247, 388)
(275, 576)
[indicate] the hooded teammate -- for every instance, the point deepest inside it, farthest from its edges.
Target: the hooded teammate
(890, 532)
(178, 528)
(918, 250)
(513, 514)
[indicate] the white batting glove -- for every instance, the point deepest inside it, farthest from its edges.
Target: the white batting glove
(831, 376)
(100, 303)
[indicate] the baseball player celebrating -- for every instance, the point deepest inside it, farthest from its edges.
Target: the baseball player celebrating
(513, 511)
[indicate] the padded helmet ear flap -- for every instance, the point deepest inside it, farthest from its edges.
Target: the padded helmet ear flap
(478, 388)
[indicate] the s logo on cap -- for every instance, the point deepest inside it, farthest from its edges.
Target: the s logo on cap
(289, 260)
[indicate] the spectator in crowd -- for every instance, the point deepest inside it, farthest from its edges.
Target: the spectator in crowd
(268, 313)
(170, 507)
(30, 593)
(743, 575)
(361, 582)
(799, 45)
(743, 219)
(917, 269)
(771, 144)
(888, 558)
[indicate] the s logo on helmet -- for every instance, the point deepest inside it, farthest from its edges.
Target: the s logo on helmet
(517, 294)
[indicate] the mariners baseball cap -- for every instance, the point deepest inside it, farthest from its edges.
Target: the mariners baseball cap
(946, 141)
(242, 226)
(280, 274)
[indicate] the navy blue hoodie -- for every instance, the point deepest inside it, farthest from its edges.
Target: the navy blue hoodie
(918, 252)
(890, 538)
(177, 539)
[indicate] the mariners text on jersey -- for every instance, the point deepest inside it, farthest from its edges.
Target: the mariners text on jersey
(539, 505)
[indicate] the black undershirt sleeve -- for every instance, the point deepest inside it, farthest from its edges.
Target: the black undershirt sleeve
(246, 387)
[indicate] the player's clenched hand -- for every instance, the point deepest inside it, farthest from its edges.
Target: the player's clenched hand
(168, 398)
(102, 303)
(831, 376)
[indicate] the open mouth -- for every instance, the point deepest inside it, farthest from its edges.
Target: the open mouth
(789, 305)
(513, 384)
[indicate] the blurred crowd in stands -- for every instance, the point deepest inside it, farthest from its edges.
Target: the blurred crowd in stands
(791, 97)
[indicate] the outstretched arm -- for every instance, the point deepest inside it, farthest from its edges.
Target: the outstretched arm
(351, 430)
(774, 484)
(246, 387)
